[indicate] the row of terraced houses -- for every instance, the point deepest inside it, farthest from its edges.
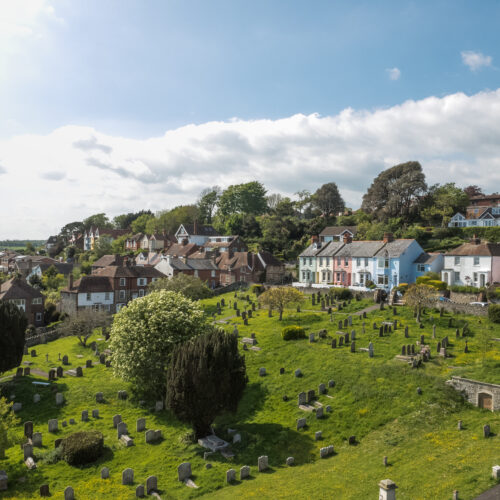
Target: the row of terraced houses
(334, 258)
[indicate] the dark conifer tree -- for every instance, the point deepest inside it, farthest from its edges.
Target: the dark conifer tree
(206, 377)
(12, 330)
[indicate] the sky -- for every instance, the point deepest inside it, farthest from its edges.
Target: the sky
(124, 105)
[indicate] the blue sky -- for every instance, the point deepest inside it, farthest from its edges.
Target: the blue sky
(128, 72)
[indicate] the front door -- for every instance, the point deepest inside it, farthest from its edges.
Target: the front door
(485, 401)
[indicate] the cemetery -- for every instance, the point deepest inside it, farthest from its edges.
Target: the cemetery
(332, 414)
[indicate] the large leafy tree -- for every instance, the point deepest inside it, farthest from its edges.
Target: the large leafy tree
(442, 202)
(420, 296)
(12, 329)
(169, 220)
(207, 203)
(396, 192)
(190, 286)
(281, 297)
(139, 224)
(83, 324)
(144, 334)
(327, 199)
(8, 424)
(248, 198)
(97, 220)
(473, 190)
(124, 221)
(206, 377)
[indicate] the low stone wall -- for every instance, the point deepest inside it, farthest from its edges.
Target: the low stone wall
(474, 388)
(464, 298)
(307, 290)
(43, 338)
(238, 285)
(463, 308)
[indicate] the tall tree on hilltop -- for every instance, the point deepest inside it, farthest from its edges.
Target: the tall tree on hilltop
(327, 199)
(206, 377)
(442, 202)
(396, 192)
(12, 329)
(474, 190)
(248, 198)
(207, 202)
(97, 220)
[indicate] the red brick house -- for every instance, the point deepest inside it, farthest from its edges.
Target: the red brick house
(26, 298)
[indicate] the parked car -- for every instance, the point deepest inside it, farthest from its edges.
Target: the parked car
(482, 304)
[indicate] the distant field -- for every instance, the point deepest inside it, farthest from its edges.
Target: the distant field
(374, 399)
(19, 244)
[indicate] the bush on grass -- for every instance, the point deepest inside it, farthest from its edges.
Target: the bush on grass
(293, 332)
(82, 447)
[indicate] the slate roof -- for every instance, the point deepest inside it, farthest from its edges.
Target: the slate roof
(201, 230)
(129, 272)
(338, 230)
(360, 249)
(268, 259)
(313, 249)
(482, 249)
(394, 248)
(426, 258)
(91, 284)
(178, 249)
(17, 288)
(109, 260)
(331, 248)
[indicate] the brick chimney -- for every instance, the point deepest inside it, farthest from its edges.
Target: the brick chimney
(388, 237)
(347, 237)
(195, 227)
(314, 239)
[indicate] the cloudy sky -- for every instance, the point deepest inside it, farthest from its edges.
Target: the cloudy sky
(127, 104)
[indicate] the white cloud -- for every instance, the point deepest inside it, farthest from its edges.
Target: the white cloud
(394, 73)
(454, 137)
(475, 60)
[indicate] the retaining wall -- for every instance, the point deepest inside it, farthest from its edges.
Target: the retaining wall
(472, 389)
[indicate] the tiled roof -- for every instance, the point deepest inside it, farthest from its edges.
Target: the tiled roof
(17, 288)
(331, 248)
(426, 258)
(338, 230)
(201, 230)
(313, 249)
(91, 284)
(360, 249)
(481, 249)
(395, 248)
(178, 249)
(109, 260)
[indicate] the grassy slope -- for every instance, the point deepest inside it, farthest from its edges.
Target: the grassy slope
(374, 399)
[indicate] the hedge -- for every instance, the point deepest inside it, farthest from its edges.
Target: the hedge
(494, 313)
(82, 447)
(293, 332)
(341, 293)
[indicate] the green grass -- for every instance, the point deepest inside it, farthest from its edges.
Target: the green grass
(374, 399)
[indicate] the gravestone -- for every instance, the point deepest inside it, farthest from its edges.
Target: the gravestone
(486, 431)
(422, 339)
(139, 491)
(121, 429)
(375, 327)
(159, 406)
(310, 395)
(331, 383)
(44, 490)
(52, 374)
(352, 440)
(406, 332)
(64, 423)
(150, 436)
(79, 371)
(85, 415)
(69, 493)
(298, 372)
(140, 424)
(413, 348)
(311, 337)
(53, 425)
(99, 397)
(27, 371)
(370, 349)
(108, 363)
(438, 347)
(28, 429)
(403, 350)
(17, 407)
(122, 395)
(442, 352)
(19, 372)
(466, 348)
(184, 471)
(495, 472)
(230, 476)
(353, 335)
(319, 412)
(460, 425)
(433, 331)
(346, 323)
(33, 353)
(282, 371)
(72, 421)
(102, 359)
(59, 371)
(381, 331)
(28, 450)
(37, 439)
(334, 343)
(116, 420)
(301, 423)
(321, 389)
(88, 363)
(245, 472)
(59, 398)
(95, 413)
(340, 325)
(290, 461)
(262, 372)
(104, 473)
(263, 463)
(128, 476)
(353, 346)
(349, 320)
(317, 435)
(341, 341)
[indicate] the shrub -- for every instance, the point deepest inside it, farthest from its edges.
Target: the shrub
(341, 293)
(293, 332)
(257, 289)
(437, 284)
(370, 284)
(465, 289)
(82, 447)
(421, 280)
(303, 318)
(494, 313)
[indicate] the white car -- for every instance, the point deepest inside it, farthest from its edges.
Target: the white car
(482, 304)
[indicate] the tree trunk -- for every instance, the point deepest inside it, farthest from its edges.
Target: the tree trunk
(202, 429)
(281, 314)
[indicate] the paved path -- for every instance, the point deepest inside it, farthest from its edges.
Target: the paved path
(493, 494)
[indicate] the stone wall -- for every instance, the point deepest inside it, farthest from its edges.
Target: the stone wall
(464, 298)
(463, 308)
(473, 388)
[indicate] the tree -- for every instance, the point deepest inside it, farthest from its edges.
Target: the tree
(396, 192)
(189, 286)
(303, 201)
(83, 324)
(8, 424)
(206, 377)
(207, 202)
(420, 296)
(169, 220)
(124, 221)
(249, 198)
(97, 220)
(103, 246)
(273, 200)
(474, 190)
(280, 297)
(118, 244)
(73, 227)
(443, 202)
(144, 334)
(328, 200)
(51, 279)
(13, 325)
(139, 224)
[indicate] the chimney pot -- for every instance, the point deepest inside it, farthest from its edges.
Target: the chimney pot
(388, 237)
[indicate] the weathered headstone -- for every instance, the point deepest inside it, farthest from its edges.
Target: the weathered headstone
(28, 429)
(486, 431)
(121, 429)
(184, 471)
(95, 413)
(140, 424)
(406, 332)
(334, 343)
(59, 398)
(353, 346)
(128, 476)
(122, 395)
(321, 389)
(460, 425)
(79, 371)
(139, 491)
(262, 372)
(99, 397)
(27, 450)
(65, 360)
(37, 439)
(331, 383)
(44, 490)
(104, 473)
(298, 372)
(159, 406)
(310, 395)
(116, 420)
(53, 425)
(69, 493)
(85, 415)
(244, 472)
(301, 422)
(311, 337)
(319, 412)
(230, 476)
(403, 350)
(263, 463)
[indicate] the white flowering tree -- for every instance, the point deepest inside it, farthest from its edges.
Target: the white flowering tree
(143, 336)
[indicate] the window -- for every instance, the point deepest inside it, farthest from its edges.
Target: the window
(358, 262)
(122, 295)
(327, 261)
(142, 281)
(304, 275)
(304, 261)
(106, 296)
(457, 276)
(346, 261)
(154, 279)
(321, 261)
(476, 260)
(421, 268)
(36, 301)
(212, 274)
(38, 317)
(324, 275)
(381, 262)
(89, 297)
(338, 276)
(310, 261)
(122, 281)
(382, 279)
(457, 261)
(475, 277)
(141, 292)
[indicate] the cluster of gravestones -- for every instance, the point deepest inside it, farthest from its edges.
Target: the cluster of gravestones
(262, 466)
